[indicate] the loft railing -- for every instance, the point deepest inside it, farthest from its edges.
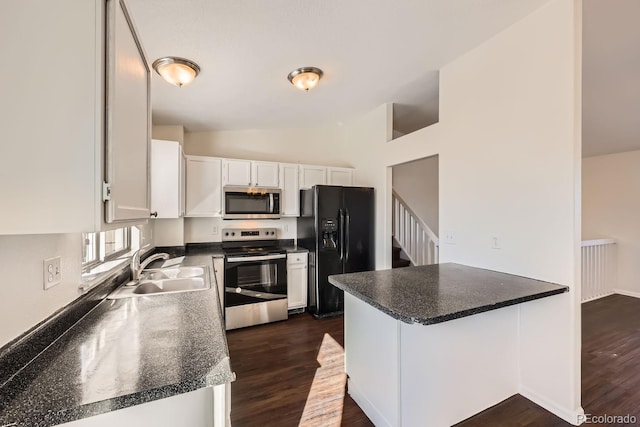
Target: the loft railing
(599, 268)
(415, 237)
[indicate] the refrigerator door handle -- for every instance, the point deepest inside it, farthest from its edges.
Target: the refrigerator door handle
(341, 233)
(346, 237)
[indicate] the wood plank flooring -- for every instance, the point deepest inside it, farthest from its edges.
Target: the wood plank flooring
(291, 373)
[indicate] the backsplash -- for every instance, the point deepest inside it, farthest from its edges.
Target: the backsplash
(199, 230)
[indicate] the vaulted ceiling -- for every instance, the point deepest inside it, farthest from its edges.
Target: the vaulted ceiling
(372, 52)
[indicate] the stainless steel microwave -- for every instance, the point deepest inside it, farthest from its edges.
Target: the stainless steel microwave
(251, 203)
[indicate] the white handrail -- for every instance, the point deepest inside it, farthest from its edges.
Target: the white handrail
(415, 237)
(599, 268)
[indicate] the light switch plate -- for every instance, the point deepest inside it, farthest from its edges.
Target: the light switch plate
(52, 274)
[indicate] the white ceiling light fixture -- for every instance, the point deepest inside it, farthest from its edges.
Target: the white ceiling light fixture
(177, 71)
(305, 78)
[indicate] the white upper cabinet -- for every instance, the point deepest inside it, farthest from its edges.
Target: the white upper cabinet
(53, 122)
(167, 179)
(290, 203)
(312, 175)
(264, 174)
(204, 189)
(236, 172)
(249, 173)
(340, 176)
(128, 123)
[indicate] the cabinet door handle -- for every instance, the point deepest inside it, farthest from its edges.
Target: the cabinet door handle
(154, 214)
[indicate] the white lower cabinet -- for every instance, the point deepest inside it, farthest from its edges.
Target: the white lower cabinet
(297, 280)
(205, 407)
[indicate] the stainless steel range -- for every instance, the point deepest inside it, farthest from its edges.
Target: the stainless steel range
(255, 277)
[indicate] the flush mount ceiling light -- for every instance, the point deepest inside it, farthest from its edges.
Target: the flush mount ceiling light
(305, 78)
(177, 71)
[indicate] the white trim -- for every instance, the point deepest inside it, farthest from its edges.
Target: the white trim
(569, 415)
(597, 242)
(627, 293)
(367, 407)
(599, 296)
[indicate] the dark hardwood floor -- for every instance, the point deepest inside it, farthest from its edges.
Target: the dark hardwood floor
(292, 373)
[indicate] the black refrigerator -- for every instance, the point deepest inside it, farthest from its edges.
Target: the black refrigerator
(336, 225)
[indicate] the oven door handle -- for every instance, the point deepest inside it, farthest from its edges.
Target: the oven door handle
(256, 258)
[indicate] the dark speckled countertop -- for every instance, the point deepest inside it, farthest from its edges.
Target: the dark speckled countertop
(123, 353)
(441, 292)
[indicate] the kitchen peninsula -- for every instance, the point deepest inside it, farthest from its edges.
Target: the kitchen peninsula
(433, 345)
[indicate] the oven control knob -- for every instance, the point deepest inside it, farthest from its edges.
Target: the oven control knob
(233, 233)
(226, 233)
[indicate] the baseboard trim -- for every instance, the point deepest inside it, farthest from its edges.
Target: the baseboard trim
(575, 417)
(627, 293)
(598, 297)
(367, 407)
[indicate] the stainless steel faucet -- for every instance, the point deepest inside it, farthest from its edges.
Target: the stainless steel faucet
(137, 266)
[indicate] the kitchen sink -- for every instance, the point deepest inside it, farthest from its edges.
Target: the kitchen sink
(171, 273)
(164, 281)
(170, 285)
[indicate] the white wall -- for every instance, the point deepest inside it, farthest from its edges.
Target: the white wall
(417, 183)
(509, 148)
(311, 145)
(23, 300)
(610, 208)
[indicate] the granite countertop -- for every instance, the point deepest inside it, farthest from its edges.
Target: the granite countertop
(123, 353)
(441, 292)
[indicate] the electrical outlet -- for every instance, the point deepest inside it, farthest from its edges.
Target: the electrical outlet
(52, 274)
(495, 242)
(215, 230)
(286, 228)
(450, 237)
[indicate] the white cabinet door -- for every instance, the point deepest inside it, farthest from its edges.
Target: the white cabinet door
(218, 270)
(264, 174)
(51, 176)
(128, 120)
(204, 195)
(183, 182)
(290, 202)
(297, 280)
(236, 172)
(340, 176)
(312, 175)
(166, 180)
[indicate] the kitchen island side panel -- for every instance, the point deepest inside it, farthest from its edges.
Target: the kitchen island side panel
(455, 369)
(372, 361)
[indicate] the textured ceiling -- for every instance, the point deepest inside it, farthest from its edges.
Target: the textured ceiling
(610, 77)
(371, 51)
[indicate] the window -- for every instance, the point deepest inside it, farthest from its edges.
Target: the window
(104, 246)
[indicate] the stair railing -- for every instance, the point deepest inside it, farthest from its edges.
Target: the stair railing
(599, 268)
(415, 237)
